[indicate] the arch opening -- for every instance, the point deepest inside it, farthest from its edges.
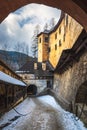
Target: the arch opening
(19, 28)
(76, 9)
(32, 89)
(81, 95)
(81, 103)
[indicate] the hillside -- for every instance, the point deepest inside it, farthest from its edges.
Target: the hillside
(14, 59)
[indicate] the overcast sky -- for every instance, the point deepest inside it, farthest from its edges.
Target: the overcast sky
(19, 26)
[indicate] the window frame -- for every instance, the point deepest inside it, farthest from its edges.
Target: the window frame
(46, 39)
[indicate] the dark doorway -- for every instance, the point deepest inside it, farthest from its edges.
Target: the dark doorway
(49, 84)
(32, 89)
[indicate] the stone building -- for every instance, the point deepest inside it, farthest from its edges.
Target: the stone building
(38, 74)
(66, 49)
(63, 36)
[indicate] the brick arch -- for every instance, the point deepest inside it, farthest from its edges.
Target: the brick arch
(76, 8)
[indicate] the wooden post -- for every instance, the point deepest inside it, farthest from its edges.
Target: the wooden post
(6, 96)
(76, 110)
(13, 94)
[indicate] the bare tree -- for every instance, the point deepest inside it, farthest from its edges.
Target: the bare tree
(17, 47)
(22, 47)
(25, 48)
(5, 46)
(26, 51)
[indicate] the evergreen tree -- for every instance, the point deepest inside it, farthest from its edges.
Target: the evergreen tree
(34, 46)
(52, 23)
(45, 26)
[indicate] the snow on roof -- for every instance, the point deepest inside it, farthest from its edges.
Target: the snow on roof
(20, 72)
(6, 78)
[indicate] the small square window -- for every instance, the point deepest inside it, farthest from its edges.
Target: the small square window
(35, 66)
(43, 66)
(46, 39)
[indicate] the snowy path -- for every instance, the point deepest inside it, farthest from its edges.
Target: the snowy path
(43, 113)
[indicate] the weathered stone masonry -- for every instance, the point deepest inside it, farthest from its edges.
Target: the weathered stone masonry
(67, 84)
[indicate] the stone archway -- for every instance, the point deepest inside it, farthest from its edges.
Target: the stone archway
(82, 93)
(32, 89)
(81, 102)
(76, 8)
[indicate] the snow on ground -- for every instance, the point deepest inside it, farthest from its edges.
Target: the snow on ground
(43, 113)
(68, 120)
(24, 108)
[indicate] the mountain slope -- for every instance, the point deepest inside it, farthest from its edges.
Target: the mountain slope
(14, 59)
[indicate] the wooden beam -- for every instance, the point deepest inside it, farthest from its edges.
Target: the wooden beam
(81, 46)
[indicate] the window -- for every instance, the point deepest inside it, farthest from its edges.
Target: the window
(46, 39)
(64, 37)
(64, 29)
(49, 49)
(55, 46)
(35, 66)
(56, 36)
(59, 42)
(66, 20)
(43, 66)
(60, 30)
(39, 40)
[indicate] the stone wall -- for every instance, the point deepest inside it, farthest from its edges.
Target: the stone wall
(66, 85)
(41, 84)
(30, 79)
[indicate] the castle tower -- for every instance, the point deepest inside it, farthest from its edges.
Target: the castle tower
(43, 44)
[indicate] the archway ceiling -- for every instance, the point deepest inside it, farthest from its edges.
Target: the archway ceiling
(76, 8)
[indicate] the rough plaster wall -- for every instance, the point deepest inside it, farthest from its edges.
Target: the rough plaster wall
(71, 31)
(67, 84)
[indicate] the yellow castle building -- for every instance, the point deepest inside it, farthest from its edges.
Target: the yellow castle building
(63, 36)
